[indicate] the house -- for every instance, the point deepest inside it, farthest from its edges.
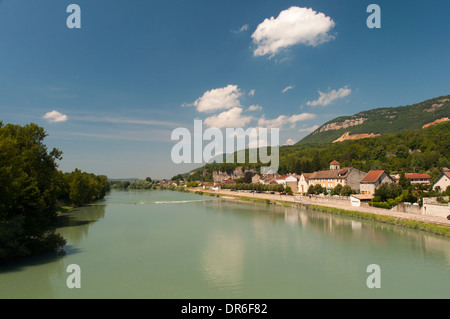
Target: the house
(228, 180)
(373, 180)
(357, 199)
(208, 185)
(418, 178)
(303, 183)
(442, 182)
(337, 175)
(256, 178)
(290, 180)
(267, 180)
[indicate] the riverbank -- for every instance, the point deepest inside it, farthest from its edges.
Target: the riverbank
(429, 224)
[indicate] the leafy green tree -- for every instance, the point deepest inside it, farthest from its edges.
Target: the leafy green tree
(404, 182)
(28, 188)
(247, 177)
(337, 190)
(346, 190)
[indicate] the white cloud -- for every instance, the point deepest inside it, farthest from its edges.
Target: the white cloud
(241, 29)
(292, 26)
(232, 118)
(309, 129)
(217, 99)
(290, 141)
(287, 88)
(55, 116)
(251, 93)
(327, 98)
(255, 108)
(282, 120)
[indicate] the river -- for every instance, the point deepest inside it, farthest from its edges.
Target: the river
(165, 244)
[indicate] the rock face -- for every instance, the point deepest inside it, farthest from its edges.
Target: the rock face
(339, 125)
(444, 119)
(436, 106)
(346, 136)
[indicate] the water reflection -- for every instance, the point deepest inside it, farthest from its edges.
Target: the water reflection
(337, 228)
(74, 226)
(50, 267)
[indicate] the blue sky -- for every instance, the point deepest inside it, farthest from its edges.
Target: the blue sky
(134, 72)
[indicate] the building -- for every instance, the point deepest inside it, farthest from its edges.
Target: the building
(256, 179)
(373, 180)
(290, 180)
(418, 178)
(337, 175)
(303, 183)
(357, 199)
(442, 182)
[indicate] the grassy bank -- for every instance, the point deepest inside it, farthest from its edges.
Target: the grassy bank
(412, 224)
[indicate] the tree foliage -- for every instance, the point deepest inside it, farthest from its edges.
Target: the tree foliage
(30, 185)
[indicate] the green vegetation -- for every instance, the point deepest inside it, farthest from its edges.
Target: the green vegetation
(255, 187)
(420, 151)
(30, 186)
(385, 120)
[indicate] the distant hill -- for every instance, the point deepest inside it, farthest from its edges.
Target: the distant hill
(387, 120)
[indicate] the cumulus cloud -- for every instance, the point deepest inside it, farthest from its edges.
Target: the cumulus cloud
(290, 141)
(218, 99)
(251, 93)
(55, 116)
(282, 120)
(287, 88)
(230, 118)
(309, 129)
(326, 98)
(255, 108)
(292, 26)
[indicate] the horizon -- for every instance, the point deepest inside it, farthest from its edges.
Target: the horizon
(110, 93)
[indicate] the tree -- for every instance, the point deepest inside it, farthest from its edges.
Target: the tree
(28, 188)
(346, 190)
(247, 177)
(337, 190)
(318, 189)
(404, 182)
(148, 179)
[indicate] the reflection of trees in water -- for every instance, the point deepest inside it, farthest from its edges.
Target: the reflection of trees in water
(20, 280)
(74, 226)
(338, 227)
(345, 228)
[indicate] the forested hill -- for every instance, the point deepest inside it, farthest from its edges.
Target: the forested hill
(422, 150)
(388, 120)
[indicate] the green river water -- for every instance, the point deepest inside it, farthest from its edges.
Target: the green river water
(164, 244)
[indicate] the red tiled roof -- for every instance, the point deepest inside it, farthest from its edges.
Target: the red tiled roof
(372, 176)
(334, 163)
(417, 176)
(307, 175)
(283, 177)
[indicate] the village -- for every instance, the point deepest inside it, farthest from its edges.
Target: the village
(338, 186)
